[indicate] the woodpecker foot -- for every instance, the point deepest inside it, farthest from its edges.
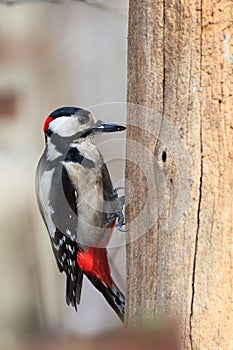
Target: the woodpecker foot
(119, 213)
(120, 221)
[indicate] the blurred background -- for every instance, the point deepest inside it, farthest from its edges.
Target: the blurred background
(51, 55)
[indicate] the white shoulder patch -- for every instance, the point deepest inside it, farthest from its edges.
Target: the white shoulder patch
(44, 190)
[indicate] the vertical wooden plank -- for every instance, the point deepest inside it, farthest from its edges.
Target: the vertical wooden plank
(180, 71)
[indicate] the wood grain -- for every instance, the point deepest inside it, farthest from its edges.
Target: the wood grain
(180, 66)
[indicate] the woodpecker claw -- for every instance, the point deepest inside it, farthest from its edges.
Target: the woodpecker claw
(119, 188)
(114, 192)
(120, 222)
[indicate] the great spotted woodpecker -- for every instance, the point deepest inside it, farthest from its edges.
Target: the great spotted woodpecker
(78, 203)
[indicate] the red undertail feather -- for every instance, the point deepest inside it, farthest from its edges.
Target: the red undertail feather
(94, 262)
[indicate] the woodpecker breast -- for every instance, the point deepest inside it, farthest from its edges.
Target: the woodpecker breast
(83, 164)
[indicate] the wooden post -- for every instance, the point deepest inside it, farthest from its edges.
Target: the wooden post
(180, 67)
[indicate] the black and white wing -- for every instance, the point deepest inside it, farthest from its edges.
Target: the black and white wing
(57, 201)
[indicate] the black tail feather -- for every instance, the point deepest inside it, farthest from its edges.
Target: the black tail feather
(73, 289)
(113, 296)
(70, 293)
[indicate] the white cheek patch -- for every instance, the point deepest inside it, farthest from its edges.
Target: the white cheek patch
(65, 126)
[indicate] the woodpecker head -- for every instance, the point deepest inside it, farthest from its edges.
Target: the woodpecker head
(74, 122)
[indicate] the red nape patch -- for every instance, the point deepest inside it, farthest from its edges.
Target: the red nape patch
(47, 122)
(95, 262)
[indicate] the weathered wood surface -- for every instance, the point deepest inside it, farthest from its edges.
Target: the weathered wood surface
(180, 66)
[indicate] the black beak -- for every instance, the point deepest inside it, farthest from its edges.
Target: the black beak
(101, 127)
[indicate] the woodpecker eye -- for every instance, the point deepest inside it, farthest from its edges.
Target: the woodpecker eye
(83, 116)
(82, 120)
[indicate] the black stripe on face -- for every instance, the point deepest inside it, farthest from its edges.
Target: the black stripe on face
(75, 156)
